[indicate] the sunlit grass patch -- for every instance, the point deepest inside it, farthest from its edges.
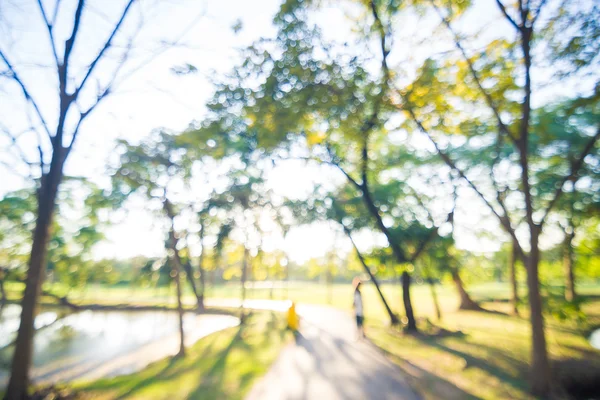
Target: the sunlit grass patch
(489, 360)
(223, 365)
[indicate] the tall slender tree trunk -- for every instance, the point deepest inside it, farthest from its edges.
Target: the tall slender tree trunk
(436, 304)
(176, 265)
(393, 318)
(374, 211)
(19, 378)
(186, 266)
(180, 312)
(412, 323)
(398, 253)
(189, 272)
(202, 278)
(540, 366)
(513, 279)
(243, 281)
(2, 291)
(201, 266)
(570, 293)
(466, 303)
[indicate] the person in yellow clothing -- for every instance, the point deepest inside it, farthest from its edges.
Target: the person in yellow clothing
(292, 318)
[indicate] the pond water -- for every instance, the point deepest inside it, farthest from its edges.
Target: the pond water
(93, 344)
(595, 339)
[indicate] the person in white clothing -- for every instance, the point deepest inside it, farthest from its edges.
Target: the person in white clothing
(358, 308)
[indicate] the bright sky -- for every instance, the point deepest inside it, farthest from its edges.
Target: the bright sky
(155, 97)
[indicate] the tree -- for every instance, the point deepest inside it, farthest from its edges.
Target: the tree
(73, 237)
(435, 103)
(56, 125)
(349, 212)
(150, 169)
(315, 91)
(241, 205)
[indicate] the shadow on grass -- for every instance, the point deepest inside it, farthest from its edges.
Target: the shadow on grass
(491, 362)
(273, 326)
(426, 382)
(484, 364)
(150, 380)
(165, 374)
(210, 383)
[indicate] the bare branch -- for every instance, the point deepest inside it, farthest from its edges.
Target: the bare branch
(423, 245)
(385, 51)
(107, 44)
(63, 69)
(39, 146)
(13, 141)
(507, 16)
(50, 33)
(501, 125)
(55, 13)
(536, 13)
(336, 164)
(28, 97)
(503, 218)
(575, 167)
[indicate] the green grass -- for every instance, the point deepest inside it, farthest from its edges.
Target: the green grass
(223, 365)
(489, 360)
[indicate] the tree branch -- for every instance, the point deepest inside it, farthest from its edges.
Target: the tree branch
(55, 13)
(504, 219)
(13, 140)
(501, 125)
(50, 33)
(69, 43)
(107, 44)
(536, 13)
(572, 176)
(336, 164)
(508, 17)
(28, 97)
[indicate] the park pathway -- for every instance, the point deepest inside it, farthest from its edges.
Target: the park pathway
(327, 362)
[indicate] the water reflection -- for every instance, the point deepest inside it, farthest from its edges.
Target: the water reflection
(91, 344)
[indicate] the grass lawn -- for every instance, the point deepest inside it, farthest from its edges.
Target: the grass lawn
(223, 365)
(487, 360)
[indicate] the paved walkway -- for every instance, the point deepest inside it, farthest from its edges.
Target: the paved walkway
(327, 362)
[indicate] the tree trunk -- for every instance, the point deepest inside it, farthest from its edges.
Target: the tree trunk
(176, 268)
(570, 294)
(243, 282)
(412, 324)
(466, 303)
(190, 277)
(186, 266)
(540, 365)
(201, 266)
(513, 279)
(396, 250)
(374, 211)
(2, 291)
(202, 279)
(176, 264)
(19, 378)
(393, 318)
(436, 304)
